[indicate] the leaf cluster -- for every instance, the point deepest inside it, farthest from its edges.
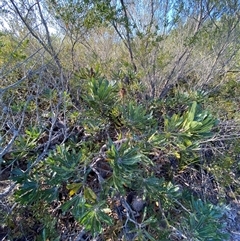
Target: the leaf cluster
(125, 181)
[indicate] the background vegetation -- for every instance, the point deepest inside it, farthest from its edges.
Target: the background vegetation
(119, 120)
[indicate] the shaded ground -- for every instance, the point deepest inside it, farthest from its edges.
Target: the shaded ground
(233, 220)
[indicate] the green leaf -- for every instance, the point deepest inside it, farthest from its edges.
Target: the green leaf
(70, 203)
(103, 217)
(73, 187)
(89, 195)
(191, 113)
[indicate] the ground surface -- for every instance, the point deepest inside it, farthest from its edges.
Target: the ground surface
(233, 220)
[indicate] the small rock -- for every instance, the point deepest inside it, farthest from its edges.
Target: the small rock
(138, 204)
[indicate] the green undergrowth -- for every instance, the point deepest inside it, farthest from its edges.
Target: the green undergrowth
(124, 168)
